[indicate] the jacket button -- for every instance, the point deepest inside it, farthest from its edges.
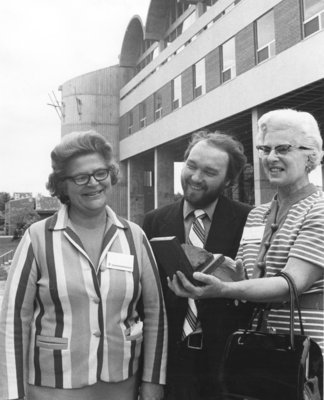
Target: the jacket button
(97, 333)
(96, 300)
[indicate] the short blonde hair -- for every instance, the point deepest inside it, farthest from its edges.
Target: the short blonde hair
(297, 121)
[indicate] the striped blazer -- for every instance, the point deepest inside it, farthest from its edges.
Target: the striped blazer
(66, 324)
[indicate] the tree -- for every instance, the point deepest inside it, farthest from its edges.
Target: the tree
(26, 219)
(4, 198)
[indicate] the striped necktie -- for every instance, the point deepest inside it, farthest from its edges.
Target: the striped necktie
(196, 238)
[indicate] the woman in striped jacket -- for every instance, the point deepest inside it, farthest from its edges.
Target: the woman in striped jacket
(286, 234)
(83, 314)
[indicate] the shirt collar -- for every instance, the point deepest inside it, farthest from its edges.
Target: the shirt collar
(60, 220)
(209, 210)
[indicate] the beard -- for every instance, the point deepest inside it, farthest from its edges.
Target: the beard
(203, 197)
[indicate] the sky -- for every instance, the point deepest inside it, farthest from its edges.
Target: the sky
(44, 43)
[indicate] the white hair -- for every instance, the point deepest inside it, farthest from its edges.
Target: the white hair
(299, 122)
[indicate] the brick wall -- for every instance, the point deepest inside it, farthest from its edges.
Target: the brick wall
(213, 73)
(136, 125)
(288, 29)
(123, 127)
(166, 99)
(187, 85)
(150, 110)
(245, 50)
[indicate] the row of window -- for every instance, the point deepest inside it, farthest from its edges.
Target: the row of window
(313, 16)
(178, 30)
(264, 34)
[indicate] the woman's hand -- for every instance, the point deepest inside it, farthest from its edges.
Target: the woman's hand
(151, 391)
(213, 287)
(231, 271)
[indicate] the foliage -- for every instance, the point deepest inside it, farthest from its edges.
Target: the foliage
(4, 198)
(25, 220)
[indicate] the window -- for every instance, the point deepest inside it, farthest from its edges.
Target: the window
(199, 77)
(148, 178)
(130, 122)
(313, 16)
(228, 60)
(177, 8)
(157, 105)
(176, 93)
(265, 37)
(142, 113)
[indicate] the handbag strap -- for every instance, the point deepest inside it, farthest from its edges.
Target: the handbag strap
(293, 288)
(291, 308)
(293, 301)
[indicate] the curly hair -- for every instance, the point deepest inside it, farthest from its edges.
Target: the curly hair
(299, 122)
(226, 143)
(74, 145)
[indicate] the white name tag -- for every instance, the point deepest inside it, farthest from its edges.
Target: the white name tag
(123, 262)
(253, 234)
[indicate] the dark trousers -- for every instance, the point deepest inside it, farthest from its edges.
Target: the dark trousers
(190, 376)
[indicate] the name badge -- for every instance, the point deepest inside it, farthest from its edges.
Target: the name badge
(253, 234)
(123, 262)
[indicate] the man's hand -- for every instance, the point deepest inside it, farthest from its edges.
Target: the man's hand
(213, 287)
(151, 391)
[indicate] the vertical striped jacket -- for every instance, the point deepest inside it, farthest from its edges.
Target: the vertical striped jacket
(65, 324)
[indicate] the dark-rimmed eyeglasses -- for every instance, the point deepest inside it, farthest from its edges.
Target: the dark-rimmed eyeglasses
(83, 179)
(280, 150)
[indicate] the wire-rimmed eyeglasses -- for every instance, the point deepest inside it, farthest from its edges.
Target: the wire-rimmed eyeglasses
(280, 150)
(83, 179)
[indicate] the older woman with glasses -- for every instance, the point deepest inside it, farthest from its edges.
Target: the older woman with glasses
(83, 314)
(286, 234)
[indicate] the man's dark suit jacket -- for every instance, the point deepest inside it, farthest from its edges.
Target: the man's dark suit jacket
(218, 317)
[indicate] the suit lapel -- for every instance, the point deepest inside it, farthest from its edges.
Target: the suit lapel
(172, 222)
(172, 225)
(224, 216)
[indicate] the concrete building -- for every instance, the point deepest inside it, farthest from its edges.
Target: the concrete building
(203, 64)
(91, 102)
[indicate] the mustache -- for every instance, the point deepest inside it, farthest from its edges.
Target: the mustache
(191, 183)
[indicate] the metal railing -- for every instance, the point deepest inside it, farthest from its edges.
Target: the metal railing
(6, 257)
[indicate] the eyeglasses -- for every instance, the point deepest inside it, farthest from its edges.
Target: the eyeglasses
(280, 150)
(84, 179)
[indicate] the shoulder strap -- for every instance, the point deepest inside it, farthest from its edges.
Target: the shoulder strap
(293, 301)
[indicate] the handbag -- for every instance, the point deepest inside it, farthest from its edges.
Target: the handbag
(268, 366)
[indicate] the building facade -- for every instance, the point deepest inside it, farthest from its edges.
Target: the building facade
(216, 65)
(23, 210)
